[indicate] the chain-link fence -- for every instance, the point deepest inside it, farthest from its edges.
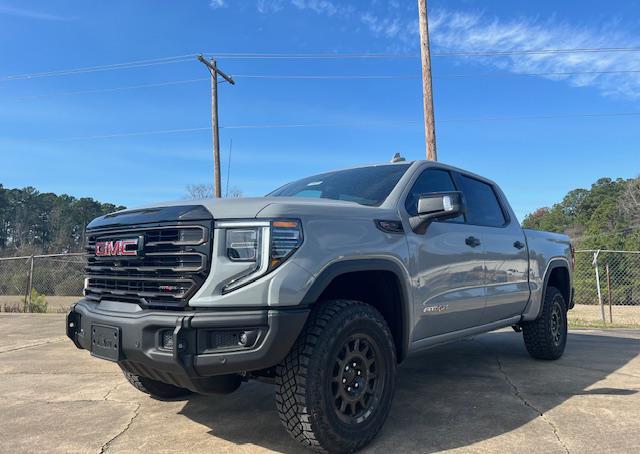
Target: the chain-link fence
(607, 286)
(40, 283)
(607, 283)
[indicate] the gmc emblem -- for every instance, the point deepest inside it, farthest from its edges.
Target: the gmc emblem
(118, 247)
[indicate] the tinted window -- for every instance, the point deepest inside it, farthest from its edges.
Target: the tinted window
(482, 204)
(431, 180)
(364, 185)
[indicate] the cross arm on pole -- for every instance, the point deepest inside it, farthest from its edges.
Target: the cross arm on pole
(216, 70)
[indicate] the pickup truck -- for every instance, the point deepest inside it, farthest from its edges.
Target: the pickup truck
(323, 288)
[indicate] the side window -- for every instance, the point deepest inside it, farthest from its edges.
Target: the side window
(431, 180)
(482, 204)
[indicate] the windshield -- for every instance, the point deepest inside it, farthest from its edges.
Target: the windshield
(365, 185)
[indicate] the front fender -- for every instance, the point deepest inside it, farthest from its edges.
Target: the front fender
(351, 265)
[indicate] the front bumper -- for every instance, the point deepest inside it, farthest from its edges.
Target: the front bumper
(179, 347)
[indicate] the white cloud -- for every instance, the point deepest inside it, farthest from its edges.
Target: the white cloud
(29, 14)
(215, 4)
(474, 32)
(387, 26)
(318, 6)
(269, 6)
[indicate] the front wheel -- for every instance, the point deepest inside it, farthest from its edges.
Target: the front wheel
(334, 389)
(546, 337)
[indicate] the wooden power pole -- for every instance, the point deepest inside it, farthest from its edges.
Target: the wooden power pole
(429, 119)
(214, 71)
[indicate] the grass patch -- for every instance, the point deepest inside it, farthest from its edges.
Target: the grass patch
(581, 323)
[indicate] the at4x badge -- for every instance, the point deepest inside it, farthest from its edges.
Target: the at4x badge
(436, 308)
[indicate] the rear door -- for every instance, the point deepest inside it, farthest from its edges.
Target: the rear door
(447, 265)
(506, 260)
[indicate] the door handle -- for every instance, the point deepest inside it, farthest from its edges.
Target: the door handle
(472, 241)
(518, 245)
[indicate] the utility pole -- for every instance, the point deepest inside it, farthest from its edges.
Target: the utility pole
(429, 119)
(214, 71)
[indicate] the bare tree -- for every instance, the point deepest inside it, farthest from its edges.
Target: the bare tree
(235, 193)
(199, 191)
(205, 191)
(630, 201)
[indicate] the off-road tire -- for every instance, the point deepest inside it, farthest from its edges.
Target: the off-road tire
(546, 337)
(312, 381)
(155, 388)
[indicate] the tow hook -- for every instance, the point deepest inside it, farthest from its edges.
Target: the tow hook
(73, 327)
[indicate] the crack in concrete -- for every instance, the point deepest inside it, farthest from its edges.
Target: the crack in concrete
(37, 344)
(518, 394)
(65, 401)
(73, 374)
(107, 445)
(106, 396)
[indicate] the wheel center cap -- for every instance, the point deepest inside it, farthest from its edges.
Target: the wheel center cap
(353, 377)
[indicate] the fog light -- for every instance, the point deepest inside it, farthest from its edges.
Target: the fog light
(248, 338)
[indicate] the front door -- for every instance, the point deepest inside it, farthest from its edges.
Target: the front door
(447, 266)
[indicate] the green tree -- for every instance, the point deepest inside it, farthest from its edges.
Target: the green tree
(32, 222)
(606, 216)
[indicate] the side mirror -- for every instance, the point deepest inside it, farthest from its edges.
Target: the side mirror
(437, 205)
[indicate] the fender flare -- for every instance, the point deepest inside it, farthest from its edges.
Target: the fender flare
(335, 269)
(554, 263)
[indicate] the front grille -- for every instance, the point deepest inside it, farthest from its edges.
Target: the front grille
(170, 264)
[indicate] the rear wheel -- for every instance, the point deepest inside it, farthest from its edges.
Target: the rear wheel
(334, 389)
(155, 388)
(546, 337)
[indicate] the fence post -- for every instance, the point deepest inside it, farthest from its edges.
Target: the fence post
(595, 264)
(29, 292)
(609, 294)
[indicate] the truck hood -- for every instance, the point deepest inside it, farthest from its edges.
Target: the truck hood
(241, 208)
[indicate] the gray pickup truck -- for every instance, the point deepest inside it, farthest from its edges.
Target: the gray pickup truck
(323, 287)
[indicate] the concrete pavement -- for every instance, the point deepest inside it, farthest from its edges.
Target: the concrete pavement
(479, 395)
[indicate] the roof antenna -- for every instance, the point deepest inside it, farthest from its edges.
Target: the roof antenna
(397, 158)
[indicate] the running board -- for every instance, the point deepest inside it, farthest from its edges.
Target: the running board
(440, 339)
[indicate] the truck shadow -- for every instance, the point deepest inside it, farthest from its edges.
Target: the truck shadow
(448, 397)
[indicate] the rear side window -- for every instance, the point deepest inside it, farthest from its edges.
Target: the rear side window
(431, 180)
(482, 204)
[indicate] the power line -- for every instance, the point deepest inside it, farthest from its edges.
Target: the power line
(453, 53)
(542, 117)
(352, 124)
(322, 77)
(309, 56)
(112, 89)
(546, 73)
(137, 133)
(109, 67)
(437, 76)
(492, 53)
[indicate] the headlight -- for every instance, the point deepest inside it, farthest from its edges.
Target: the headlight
(242, 244)
(266, 243)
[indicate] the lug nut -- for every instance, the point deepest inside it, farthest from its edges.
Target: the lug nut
(356, 385)
(346, 368)
(359, 373)
(349, 388)
(354, 364)
(344, 380)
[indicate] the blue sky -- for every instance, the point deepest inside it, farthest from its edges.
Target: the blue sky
(53, 128)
